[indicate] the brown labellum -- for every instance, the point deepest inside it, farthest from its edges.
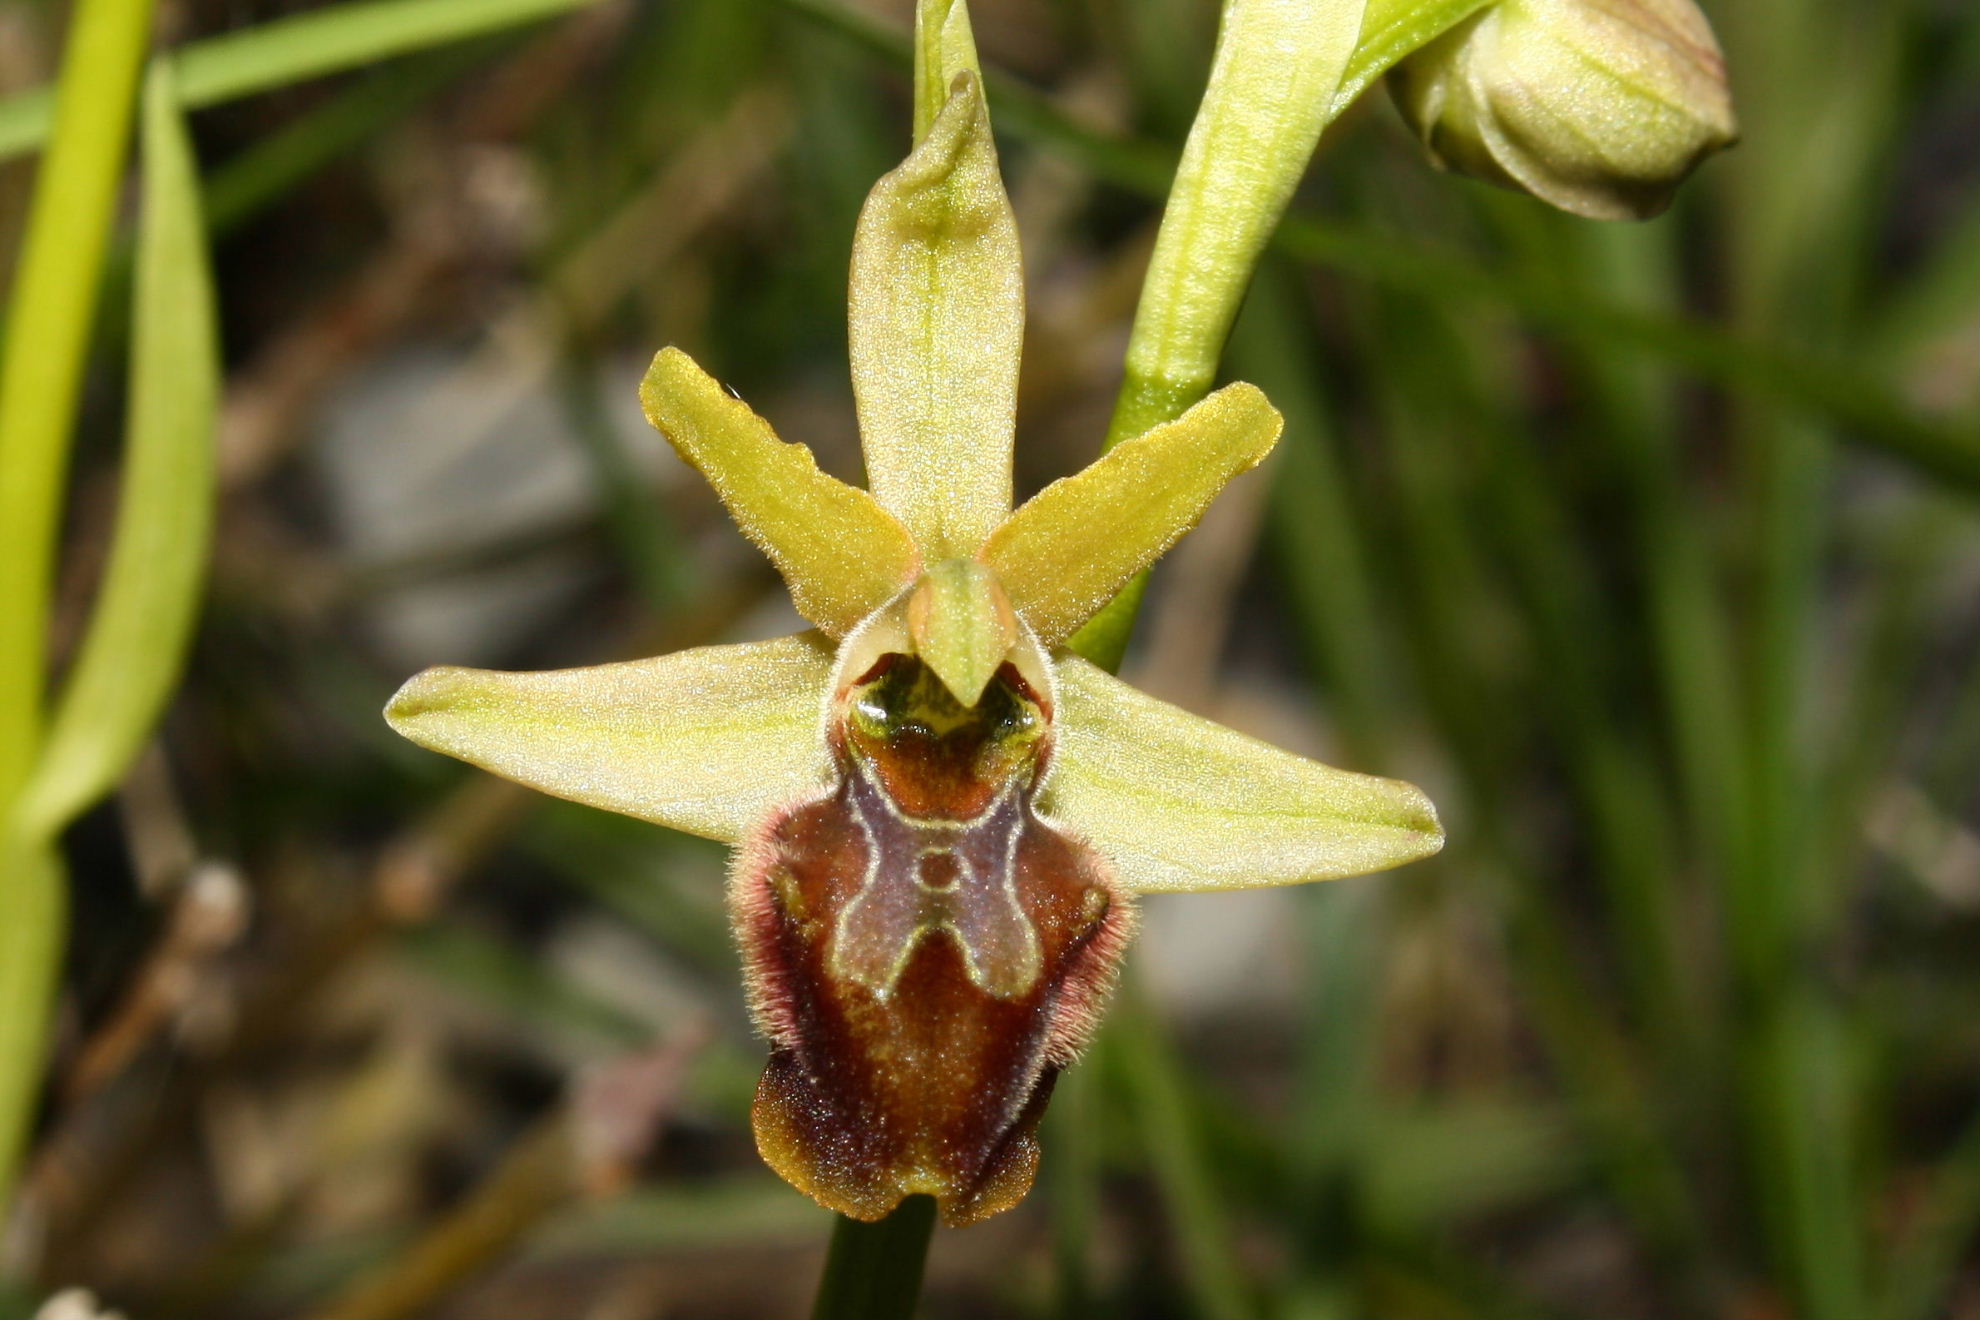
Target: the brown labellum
(924, 951)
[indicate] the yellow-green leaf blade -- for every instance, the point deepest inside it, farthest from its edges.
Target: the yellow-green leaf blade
(33, 931)
(1179, 803)
(50, 310)
(136, 642)
(705, 741)
(936, 320)
(1077, 542)
(842, 554)
(322, 40)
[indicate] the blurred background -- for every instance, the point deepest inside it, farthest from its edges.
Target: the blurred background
(1649, 550)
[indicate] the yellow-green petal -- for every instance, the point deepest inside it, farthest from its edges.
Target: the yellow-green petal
(138, 632)
(1077, 542)
(1180, 803)
(842, 554)
(705, 741)
(936, 320)
(962, 625)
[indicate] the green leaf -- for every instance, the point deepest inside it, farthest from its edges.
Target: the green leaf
(33, 931)
(136, 643)
(842, 554)
(308, 45)
(706, 741)
(937, 319)
(1077, 542)
(1177, 802)
(49, 319)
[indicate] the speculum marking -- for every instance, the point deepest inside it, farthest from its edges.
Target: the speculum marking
(974, 903)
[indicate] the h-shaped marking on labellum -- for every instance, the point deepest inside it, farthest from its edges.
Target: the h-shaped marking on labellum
(935, 877)
(941, 815)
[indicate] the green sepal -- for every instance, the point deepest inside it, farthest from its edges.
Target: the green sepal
(1179, 803)
(936, 323)
(707, 741)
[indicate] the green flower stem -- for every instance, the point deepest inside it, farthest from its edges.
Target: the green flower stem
(1273, 87)
(873, 1271)
(1273, 80)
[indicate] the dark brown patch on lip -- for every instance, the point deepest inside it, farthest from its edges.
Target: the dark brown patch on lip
(932, 756)
(914, 1045)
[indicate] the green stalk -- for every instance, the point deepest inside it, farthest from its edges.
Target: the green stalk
(1273, 83)
(873, 1271)
(129, 660)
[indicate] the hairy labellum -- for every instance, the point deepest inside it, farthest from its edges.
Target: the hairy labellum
(925, 951)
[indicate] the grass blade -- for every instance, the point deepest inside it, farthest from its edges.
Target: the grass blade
(300, 47)
(137, 637)
(1148, 1076)
(47, 341)
(33, 931)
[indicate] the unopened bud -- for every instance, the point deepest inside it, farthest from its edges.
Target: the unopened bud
(1599, 107)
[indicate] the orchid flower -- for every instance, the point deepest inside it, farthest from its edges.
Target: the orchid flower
(941, 815)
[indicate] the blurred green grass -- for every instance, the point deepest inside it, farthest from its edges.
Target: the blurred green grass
(1649, 550)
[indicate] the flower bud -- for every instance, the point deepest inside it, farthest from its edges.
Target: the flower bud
(1599, 107)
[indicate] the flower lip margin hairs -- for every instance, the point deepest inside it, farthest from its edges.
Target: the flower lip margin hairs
(942, 814)
(1598, 107)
